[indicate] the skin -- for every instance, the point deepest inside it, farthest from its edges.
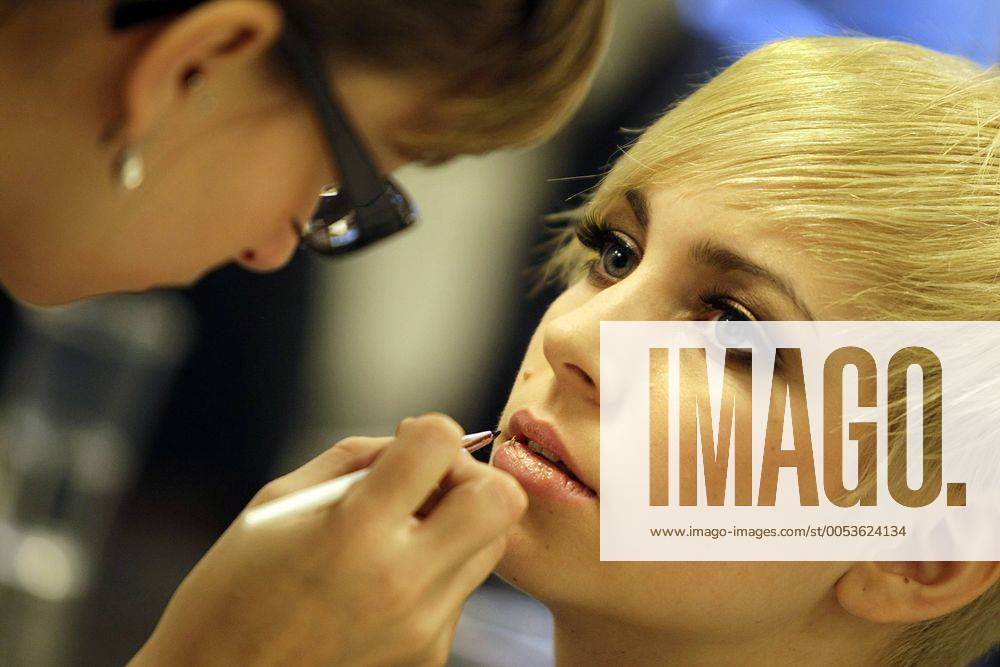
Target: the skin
(381, 577)
(69, 79)
(231, 161)
(695, 613)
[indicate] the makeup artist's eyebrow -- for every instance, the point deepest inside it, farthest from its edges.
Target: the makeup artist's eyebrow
(723, 259)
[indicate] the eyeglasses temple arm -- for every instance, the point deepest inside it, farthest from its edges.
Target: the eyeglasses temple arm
(128, 13)
(359, 177)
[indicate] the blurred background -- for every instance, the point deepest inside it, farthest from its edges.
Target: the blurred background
(133, 429)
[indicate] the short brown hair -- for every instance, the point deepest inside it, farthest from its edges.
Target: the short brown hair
(511, 71)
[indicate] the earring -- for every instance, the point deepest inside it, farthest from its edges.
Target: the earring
(129, 168)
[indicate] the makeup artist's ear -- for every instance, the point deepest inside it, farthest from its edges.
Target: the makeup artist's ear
(201, 43)
(912, 591)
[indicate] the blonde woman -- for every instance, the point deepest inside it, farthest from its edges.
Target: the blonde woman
(825, 178)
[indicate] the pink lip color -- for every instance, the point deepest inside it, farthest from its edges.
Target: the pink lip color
(538, 475)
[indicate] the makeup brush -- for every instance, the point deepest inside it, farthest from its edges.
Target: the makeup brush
(330, 492)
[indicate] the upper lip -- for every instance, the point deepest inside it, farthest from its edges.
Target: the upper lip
(524, 426)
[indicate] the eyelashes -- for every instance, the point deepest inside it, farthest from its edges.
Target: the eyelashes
(597, 235)
(719, 299)
(616, 254)
(591, 232)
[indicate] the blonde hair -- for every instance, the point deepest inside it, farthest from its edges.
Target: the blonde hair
(883, 158)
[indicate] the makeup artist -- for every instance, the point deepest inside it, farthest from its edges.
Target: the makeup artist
(148, 142)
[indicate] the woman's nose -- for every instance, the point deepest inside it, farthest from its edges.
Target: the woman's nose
(572, 339)
(571, 344)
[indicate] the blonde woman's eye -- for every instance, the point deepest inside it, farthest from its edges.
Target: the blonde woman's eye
(730, 314)
(735, 328)
(619, 257)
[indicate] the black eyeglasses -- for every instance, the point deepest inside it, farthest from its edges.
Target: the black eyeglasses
(366, 206)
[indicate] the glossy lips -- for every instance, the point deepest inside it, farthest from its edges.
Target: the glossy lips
(538, 474)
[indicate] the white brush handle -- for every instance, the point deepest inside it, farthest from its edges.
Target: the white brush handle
(310, 498)
(328, 493)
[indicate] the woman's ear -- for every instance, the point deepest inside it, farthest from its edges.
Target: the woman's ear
(912, 591)
(198, 44)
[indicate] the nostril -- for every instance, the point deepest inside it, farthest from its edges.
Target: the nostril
(582, 374)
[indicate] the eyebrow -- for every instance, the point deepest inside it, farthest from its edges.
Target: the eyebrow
(724, 259)
(640, 206)
(721, 258)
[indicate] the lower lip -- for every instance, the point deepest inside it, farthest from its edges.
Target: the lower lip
(539, 476)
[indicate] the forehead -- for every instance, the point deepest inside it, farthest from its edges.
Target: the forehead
(689, 216)
(681, 221)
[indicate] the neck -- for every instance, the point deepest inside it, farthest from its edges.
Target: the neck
(586, 639)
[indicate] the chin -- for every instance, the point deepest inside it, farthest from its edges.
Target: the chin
(149, 283)
(572, 582)
(39, 296)
(553, 558)
(49, 296)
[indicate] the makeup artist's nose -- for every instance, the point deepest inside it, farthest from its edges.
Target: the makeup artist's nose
(273, 253)
(572, 347)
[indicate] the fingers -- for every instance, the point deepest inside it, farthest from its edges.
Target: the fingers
(451, 590)
(480, 506)
(463, 469)
(409, 469)
(441, 649)
(471, 574)
(460, 582)
(346, 456)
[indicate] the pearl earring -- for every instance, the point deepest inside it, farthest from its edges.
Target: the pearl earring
(129, 169)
